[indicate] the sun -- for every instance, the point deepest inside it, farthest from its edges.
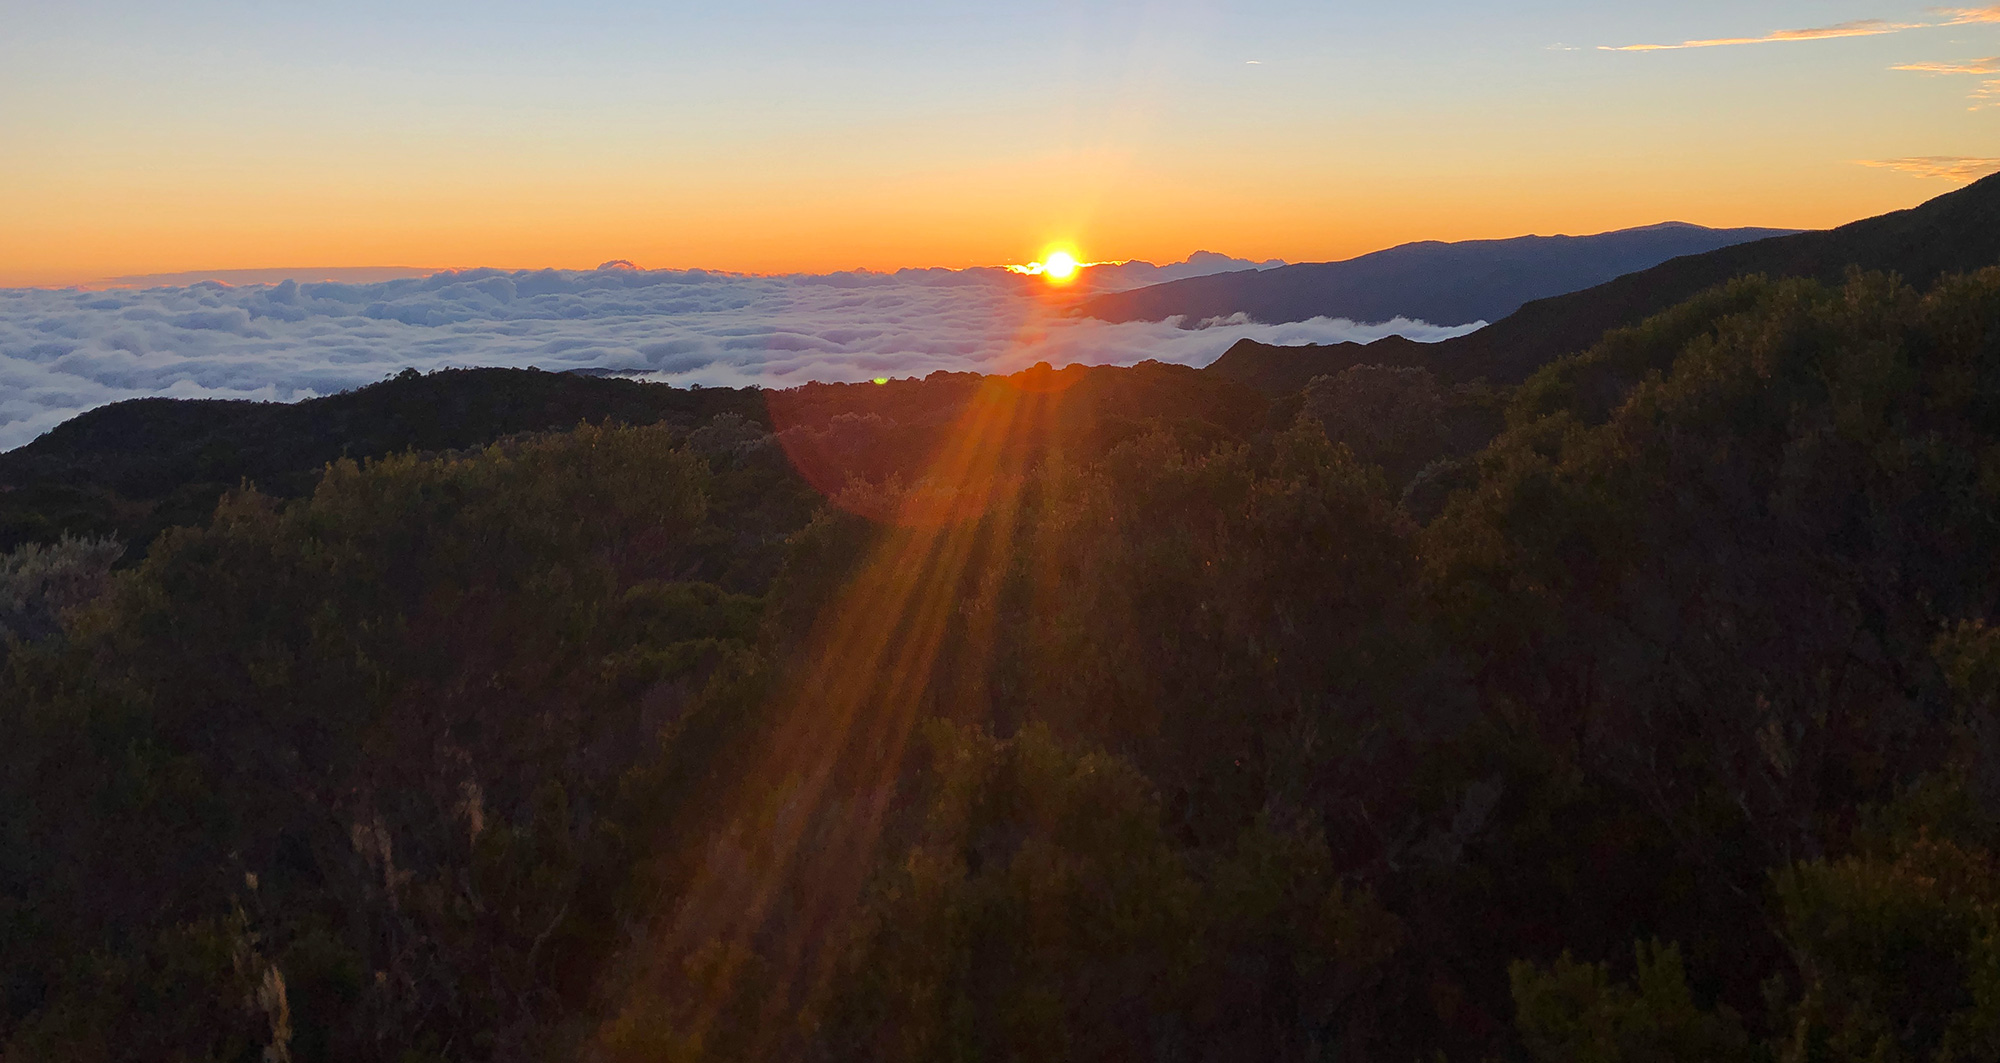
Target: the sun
(1059, 266)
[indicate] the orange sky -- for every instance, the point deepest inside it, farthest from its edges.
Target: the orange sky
(229, 139)
(125, 231)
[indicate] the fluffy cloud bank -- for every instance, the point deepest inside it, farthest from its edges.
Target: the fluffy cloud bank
(66, 351)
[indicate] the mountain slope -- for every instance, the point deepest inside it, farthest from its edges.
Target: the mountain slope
(1954, 233)
(1274, 370)
(1443, 283)
(134, 467)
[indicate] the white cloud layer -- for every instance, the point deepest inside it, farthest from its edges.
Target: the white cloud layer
(66, 351)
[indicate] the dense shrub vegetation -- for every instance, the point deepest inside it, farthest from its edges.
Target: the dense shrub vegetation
(1106, 714)
(135, 468)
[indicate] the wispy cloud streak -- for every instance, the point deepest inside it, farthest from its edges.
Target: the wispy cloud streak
(1867, 27)
(1975, 66)
(1952, 167)
(1966, 16)
(1988, 93)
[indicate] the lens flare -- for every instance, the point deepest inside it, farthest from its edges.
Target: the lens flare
(774, 888)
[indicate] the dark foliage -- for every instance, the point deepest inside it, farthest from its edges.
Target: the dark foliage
(134, 468)
(1953, 233)
(1102, 714)
(1274, 371)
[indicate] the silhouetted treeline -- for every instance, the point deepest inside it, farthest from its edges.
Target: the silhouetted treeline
(1096, 714)
(1954, 233)
(134, 468)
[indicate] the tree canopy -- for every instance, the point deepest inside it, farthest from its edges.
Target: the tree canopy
(1643, 711)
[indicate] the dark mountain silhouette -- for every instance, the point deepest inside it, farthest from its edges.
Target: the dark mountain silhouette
(1275, 370)
(1954, 233)
(132, 469)
(135, 467)
(1443, 283)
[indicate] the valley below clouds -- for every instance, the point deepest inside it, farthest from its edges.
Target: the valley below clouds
(66, 351)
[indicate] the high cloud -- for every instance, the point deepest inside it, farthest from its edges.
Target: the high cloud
(1955, 167)
(1975, 66)
(1867, 27)
(66, 351)
(1988, 93)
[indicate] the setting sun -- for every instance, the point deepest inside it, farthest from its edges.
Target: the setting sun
(1058, 266)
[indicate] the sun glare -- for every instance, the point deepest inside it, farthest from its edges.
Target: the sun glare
(1059, 265)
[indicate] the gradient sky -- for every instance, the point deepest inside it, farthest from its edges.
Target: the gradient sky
(775, 135)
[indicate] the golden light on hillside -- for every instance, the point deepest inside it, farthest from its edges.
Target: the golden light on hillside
(801, 824)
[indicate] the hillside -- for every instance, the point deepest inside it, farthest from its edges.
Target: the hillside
(1953, 233)
(135, 467)
(1442, 283)
(1274, 370)
(1102, 714)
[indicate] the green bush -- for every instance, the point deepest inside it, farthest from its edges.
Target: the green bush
(39, 583)
(1575, 1013)
(1900, 957)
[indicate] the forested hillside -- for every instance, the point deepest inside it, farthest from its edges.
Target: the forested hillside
(1648, 710)
(134, 468)
(1954, 233)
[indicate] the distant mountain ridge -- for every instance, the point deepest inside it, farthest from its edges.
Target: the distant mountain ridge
(1109, 276)
(1955, 233)
(1138, 273)
(1442, 283)
(299, 274)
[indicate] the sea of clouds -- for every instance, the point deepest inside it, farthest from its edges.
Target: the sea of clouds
(69, 350)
